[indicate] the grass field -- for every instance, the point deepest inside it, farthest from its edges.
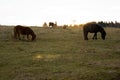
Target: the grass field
(60, 54)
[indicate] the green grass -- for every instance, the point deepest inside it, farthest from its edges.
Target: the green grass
(60, 54)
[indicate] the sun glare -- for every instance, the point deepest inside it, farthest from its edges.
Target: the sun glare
(45, 57)
(36, 12)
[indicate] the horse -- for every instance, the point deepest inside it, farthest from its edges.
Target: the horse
(51, 24)
(21, 30)
(93, 28)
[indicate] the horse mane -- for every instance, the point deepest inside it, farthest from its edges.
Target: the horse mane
(102, 29)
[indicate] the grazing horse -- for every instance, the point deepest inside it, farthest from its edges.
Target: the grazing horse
(51, 24)
(23, 31)
(93, 28)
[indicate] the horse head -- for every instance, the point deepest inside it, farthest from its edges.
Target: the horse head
(33, 37)
(103, 35)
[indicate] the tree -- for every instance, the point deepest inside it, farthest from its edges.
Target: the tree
(45, 24)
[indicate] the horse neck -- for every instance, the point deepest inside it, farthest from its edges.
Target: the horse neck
(102, 31)
(32, 34)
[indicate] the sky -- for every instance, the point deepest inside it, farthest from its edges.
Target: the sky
(36, 12)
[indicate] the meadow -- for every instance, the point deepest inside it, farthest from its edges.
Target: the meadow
(60, 54)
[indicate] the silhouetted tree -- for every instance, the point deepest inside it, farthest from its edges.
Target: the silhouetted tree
(65, 26)
(45, 24)
(110, 24)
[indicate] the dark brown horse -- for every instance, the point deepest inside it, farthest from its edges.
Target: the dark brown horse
(20, 30)
(52, 24)
(93, 28)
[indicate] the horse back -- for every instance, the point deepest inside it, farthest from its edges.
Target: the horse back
(92, 27)
(23, 30)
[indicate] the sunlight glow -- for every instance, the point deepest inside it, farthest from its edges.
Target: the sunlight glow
(36, 12)
(46, 57)
(39, 57)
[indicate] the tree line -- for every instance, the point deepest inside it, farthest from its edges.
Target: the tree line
(109, 24)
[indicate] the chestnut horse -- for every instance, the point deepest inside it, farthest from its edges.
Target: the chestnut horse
(20, 30)
(93, 28)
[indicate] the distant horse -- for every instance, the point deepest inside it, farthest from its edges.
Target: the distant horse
(51, 24)
(93, 28)
(20, 30)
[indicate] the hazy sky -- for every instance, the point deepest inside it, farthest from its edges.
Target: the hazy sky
(36, 12)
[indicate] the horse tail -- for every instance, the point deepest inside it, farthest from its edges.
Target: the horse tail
(15, 32)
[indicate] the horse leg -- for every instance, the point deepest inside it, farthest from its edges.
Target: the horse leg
(85, 35)
(15, 33)
(95, 36)
(19, 36)
(27, 36)
(23, 37)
